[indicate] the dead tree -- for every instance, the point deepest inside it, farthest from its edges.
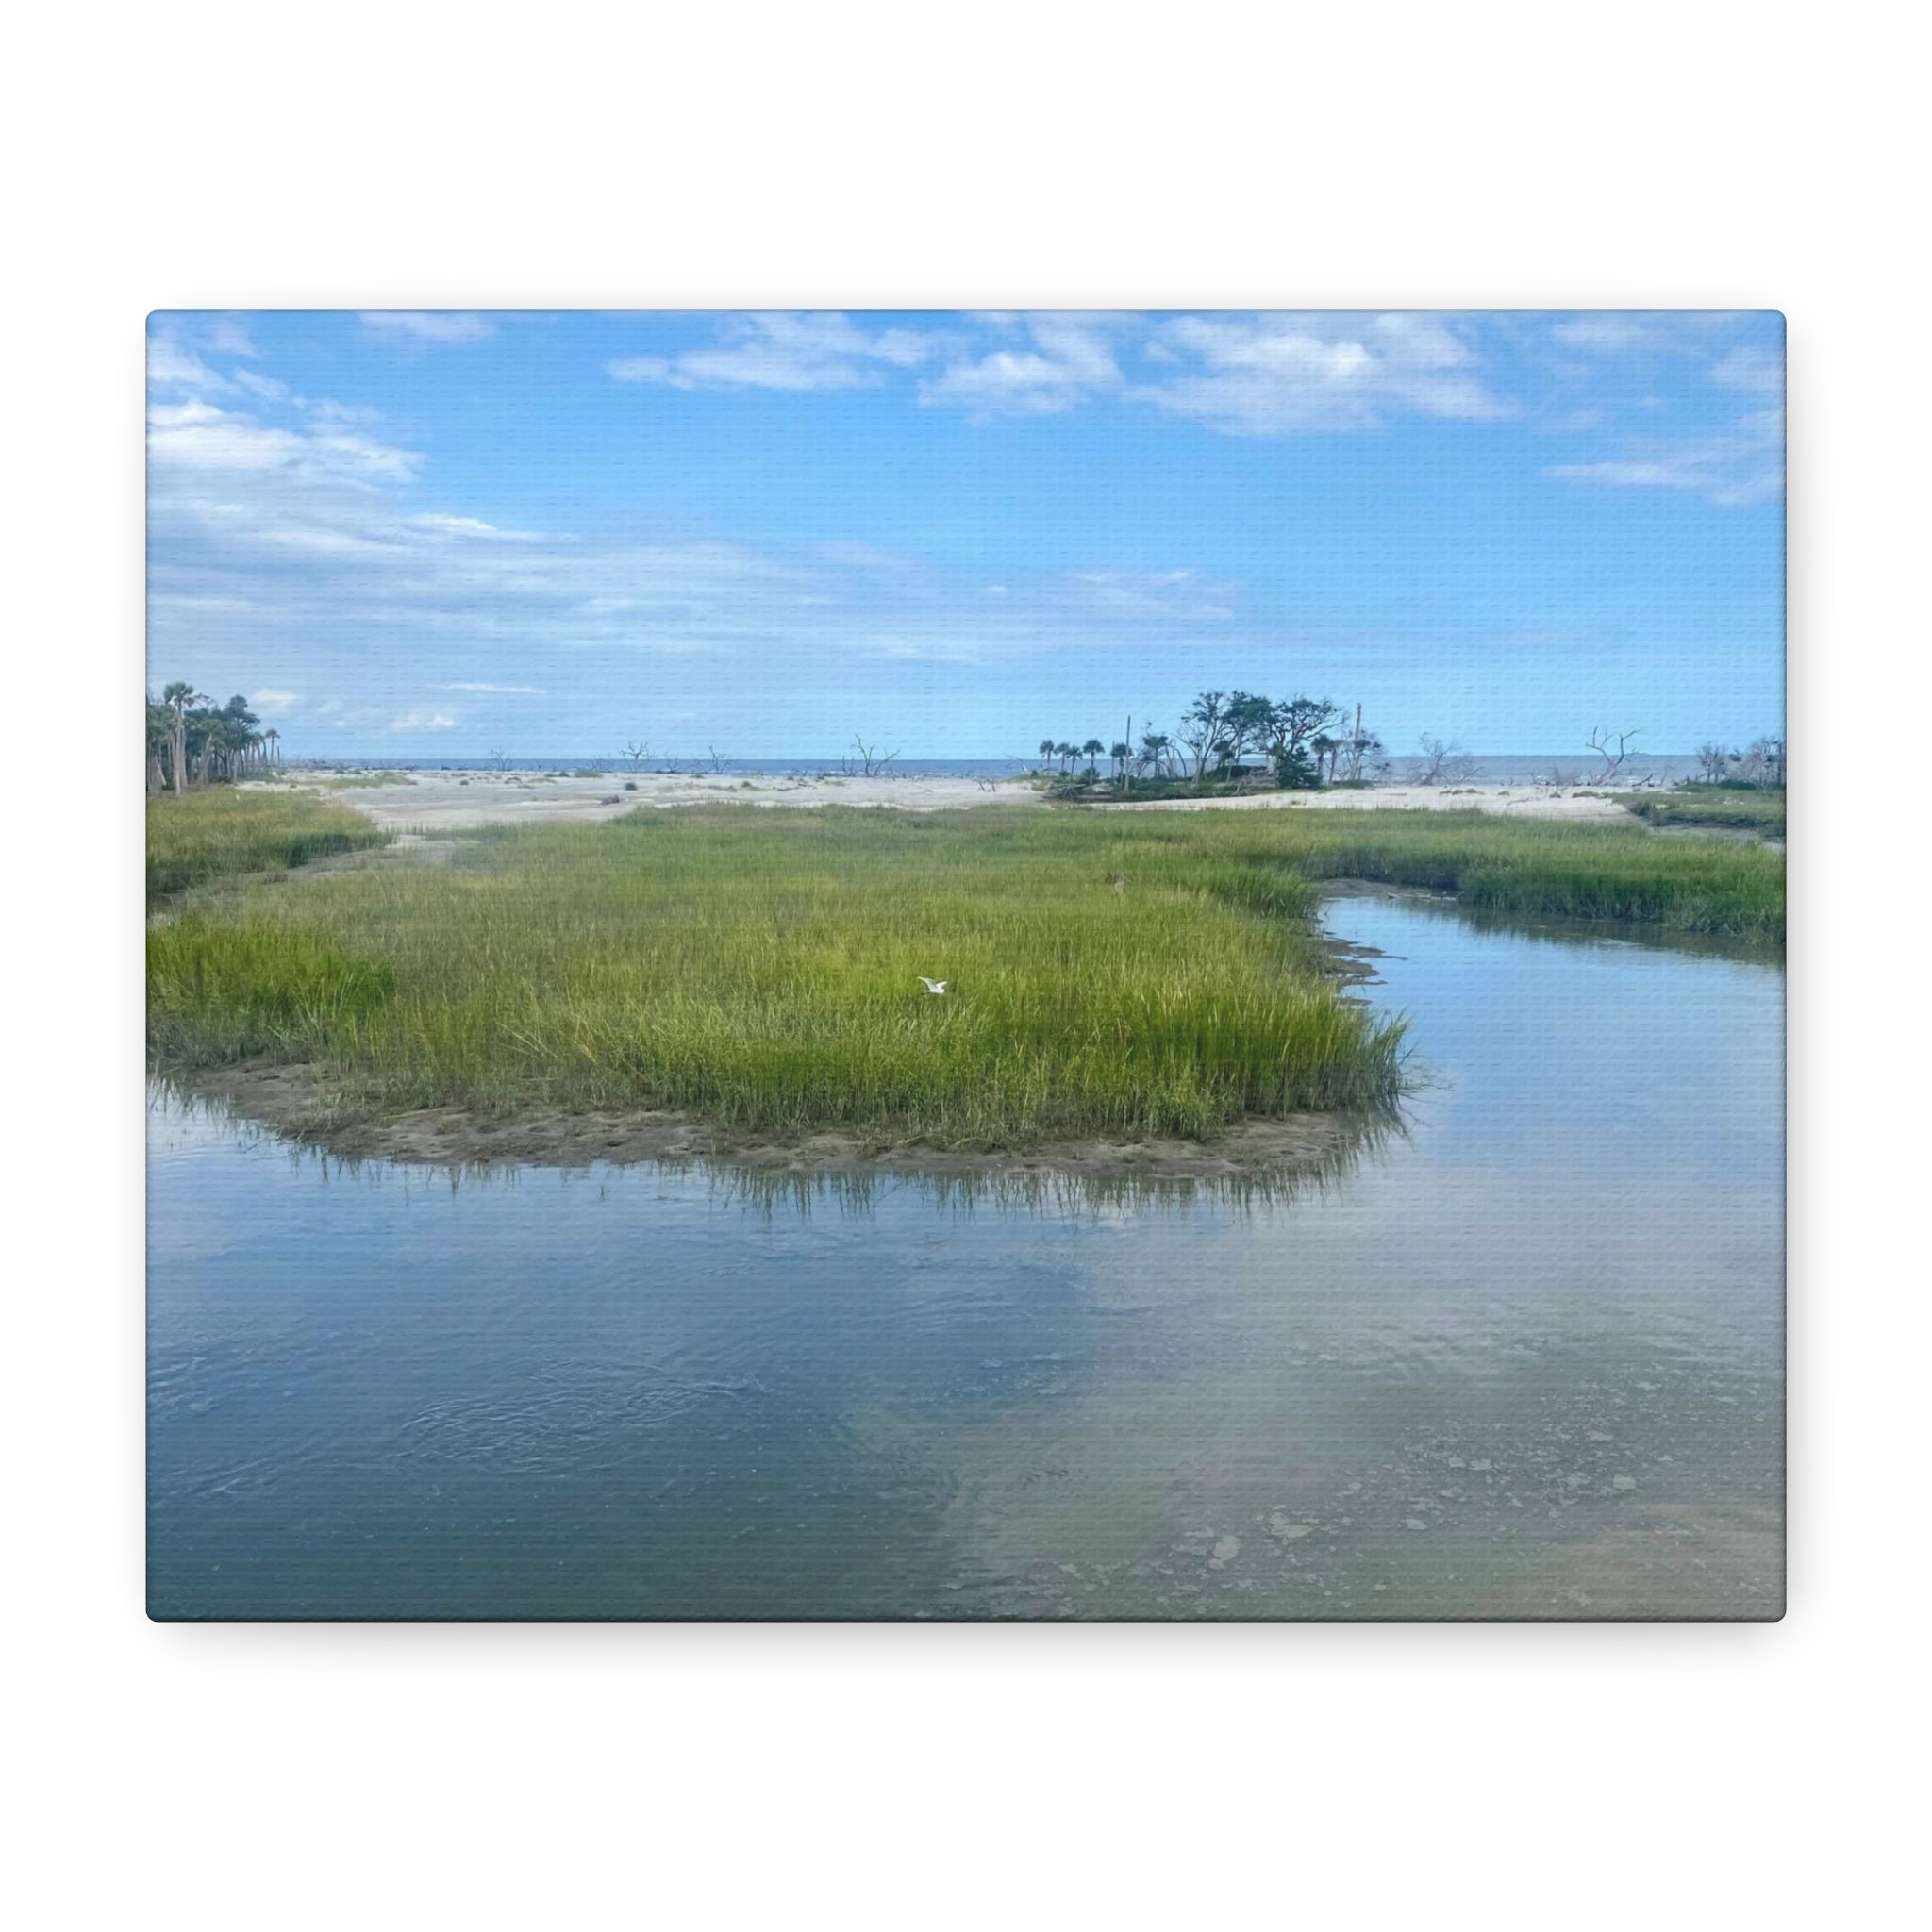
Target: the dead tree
(1443, 762)
(872, 762)
(1614, 760)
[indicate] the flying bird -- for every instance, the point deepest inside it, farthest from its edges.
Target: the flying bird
(933, 985)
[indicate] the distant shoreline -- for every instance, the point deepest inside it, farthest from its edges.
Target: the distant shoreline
(433, 799)
(1501, 768)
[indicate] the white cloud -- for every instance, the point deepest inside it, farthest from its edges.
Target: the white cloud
(275, 704)
(280, 552)
(177, 343)
(1697, 333)
(171, 365)
(1753, 368)
(1169, 594)
(1069, 359)
(423, 721)
(197, 435)
(782, 352)
(296, 530)
(290, 532)
(227, 334)
(927, 647)
(266, 387)
(1266, 374)
(1573, 422)
(329, 411)
(1278, 374)
(1607, 335)
(1744, 464)
(426, 325)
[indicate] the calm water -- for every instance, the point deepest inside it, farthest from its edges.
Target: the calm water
(1525, 1359)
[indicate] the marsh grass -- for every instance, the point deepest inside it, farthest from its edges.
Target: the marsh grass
(1734, 807)
(222, 833)
(1126, 974)
(1548, 866)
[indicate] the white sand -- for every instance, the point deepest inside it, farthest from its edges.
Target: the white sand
(1519, 801)
(456, 801)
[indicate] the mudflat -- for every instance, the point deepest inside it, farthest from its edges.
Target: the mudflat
(297, 1102)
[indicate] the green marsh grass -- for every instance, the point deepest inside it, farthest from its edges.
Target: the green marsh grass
(1547, 866)
(223, 832)
(1735, 808)
(1122, 974)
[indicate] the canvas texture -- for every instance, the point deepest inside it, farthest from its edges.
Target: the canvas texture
(993, 965)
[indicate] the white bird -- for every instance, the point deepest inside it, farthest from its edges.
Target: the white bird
(933, 985)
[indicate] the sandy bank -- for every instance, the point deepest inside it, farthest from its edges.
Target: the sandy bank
(459, 801)
(294, 1102)
(1518, 801)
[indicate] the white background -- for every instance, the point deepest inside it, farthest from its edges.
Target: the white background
(1034, 155)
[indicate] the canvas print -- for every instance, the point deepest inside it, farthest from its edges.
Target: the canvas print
(982, 965)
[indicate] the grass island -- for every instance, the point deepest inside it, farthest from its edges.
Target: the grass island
(1144, 975)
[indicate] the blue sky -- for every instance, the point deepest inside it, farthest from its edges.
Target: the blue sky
(406, 534)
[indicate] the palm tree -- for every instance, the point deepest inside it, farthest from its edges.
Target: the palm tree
(1120, 754)
(160, 733)
(234, 736)
(178, 697)
(1065, 752)
(1047, 748)
(1092, 750)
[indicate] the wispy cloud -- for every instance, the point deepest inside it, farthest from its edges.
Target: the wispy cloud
(783, 352)
(1281, 375)
(426, 325)
(1656, 332)
(1248, 376)
(1740, 465)
(197, 435)
(1750, 367)
(307, 531)
(172, 364)
(227, 334)
(1177, 594)
(1059, 363)
(1607, 335)
(423, 721)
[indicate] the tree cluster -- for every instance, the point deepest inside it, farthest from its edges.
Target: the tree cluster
(1761, 763)
(1305, 741)
(193, 742)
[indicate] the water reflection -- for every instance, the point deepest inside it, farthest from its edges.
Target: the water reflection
(1524, 1359)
